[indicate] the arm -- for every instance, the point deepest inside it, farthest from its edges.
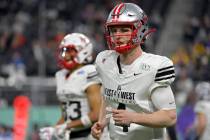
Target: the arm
(94, 99)
(165, 115)
(98, 127)
(161, 118)
(49, 132)
(162, 97)
(201, 120)
(201, 123)
(102, 115)
(164, 102)
(61, 119)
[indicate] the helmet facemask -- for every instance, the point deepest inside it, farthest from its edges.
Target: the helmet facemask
(67, 57)
(131, 39)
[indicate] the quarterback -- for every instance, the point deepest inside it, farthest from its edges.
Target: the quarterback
(78, 90)
(138, 102)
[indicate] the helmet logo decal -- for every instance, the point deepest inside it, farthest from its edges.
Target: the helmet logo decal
(82, 40)
(117, 11)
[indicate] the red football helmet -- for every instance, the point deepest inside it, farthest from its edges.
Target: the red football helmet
(75, 48)
(133, 16)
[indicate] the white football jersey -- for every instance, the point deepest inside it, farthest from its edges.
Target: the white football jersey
(132, 86)
(204, 107)
(71, 90)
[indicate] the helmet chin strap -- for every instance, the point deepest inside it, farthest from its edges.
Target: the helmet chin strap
(70, 65)
(125, 48)
(122, 49)
(131, 44)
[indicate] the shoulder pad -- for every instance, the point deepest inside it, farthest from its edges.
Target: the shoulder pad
(91, 71)
(103, 55)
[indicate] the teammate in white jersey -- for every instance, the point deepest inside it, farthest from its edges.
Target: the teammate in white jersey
(78, 90)
(202, 109)
(136, 85)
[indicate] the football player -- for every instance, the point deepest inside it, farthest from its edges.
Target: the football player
(78, 90)
(138, 102)
(202, 109)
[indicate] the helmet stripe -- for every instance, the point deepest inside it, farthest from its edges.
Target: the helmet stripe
(114, 12)
(117, 11)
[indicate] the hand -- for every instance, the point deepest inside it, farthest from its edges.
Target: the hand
(97, 130)
(46, 133)
(122, 117)
(67, 135)
(60, 131)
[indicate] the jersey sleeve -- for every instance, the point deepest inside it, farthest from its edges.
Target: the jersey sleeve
(101, 60)
(92, 77)
(200, 107)
(97, 64)
(163, 98)
(59, 75)
(165, 74)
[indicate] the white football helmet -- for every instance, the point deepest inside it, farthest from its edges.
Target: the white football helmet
(132, 15)
(80, 45)
(202, 90)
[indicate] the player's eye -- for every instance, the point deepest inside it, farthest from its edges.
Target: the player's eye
(124, 30)
(113, 30)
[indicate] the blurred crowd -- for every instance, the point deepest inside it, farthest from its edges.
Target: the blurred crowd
(192, 58)
(5, 132)
(31, 31)
(192, 61)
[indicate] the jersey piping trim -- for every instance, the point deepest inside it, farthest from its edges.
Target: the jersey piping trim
(92, 76)
(165, 68)
(169, 77)
(165, 73)
(118, 65)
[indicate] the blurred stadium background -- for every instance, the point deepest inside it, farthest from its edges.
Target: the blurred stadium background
(30, 31)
